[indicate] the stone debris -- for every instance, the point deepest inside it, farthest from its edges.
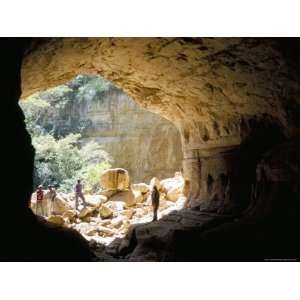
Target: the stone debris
(105, 212)
(59, 220)
(125, 196)
(143, 188)
(110, 216)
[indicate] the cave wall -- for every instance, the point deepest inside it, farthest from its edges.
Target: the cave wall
(232, 99)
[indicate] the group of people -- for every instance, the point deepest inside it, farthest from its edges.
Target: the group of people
(51, 195)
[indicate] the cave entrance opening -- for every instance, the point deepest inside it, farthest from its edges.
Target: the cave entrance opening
(86, 129)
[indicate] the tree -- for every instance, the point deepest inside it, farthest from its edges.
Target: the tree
(62, 161)
(60, 156)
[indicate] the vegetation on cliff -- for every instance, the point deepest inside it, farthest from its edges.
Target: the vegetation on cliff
(60, 158)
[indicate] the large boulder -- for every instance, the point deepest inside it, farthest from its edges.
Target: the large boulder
(92, 232)
(125, 196)
(86, 212)
(95, 200)
(118, 221)
(128, 213)
(115, 179)
(70, 215)
(60, 204)
(116, 206)
(104, 231)
(174, 193)
(140, 187)
(173, 184)
(139, 197)
(105, 212)
(56, 219)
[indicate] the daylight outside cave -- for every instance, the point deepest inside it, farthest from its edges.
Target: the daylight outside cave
(89, 129)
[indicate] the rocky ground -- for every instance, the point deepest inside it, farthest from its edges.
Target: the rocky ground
(109, 215)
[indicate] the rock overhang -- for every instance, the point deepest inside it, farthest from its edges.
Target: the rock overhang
(206, 86)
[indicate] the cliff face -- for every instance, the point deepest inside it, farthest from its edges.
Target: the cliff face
(142, 142)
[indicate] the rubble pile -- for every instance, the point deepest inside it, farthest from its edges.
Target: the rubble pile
(110, 213)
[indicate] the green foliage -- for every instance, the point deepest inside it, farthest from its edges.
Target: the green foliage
(91, 175)
(34, 109)
(60, 158)
(93, 89)
(58, 104)
(62, 161)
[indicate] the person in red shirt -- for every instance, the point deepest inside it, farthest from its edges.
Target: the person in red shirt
(40, 199)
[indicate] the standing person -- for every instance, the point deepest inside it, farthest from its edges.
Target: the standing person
(52, 196)
(40, 199)
(79, 194)
(155, 202)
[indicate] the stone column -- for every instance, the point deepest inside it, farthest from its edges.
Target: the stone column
(219, 179)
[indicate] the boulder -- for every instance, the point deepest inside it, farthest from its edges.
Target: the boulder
(139, 197)
(104, 222)
(115, 179)
(162, 204)
(174, 193)
(117, 222)
(105, 212)
(59, 206)
(125, 196)
(128, 213)
(86, 219)
(107, 194)
(125, 227)
(56, 219)
(95, 200)
(155, 182)
(86, 211)
(104, 231)
(143, 188)
(116, 206)
(169, 184)
(140, 212)
(82, 227)
(70, 215)
(92, 232)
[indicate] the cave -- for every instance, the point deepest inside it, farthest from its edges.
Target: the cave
(235, 102)
(89, 129)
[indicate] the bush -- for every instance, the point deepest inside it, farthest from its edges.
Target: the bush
(62, 161)
(60, 158)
